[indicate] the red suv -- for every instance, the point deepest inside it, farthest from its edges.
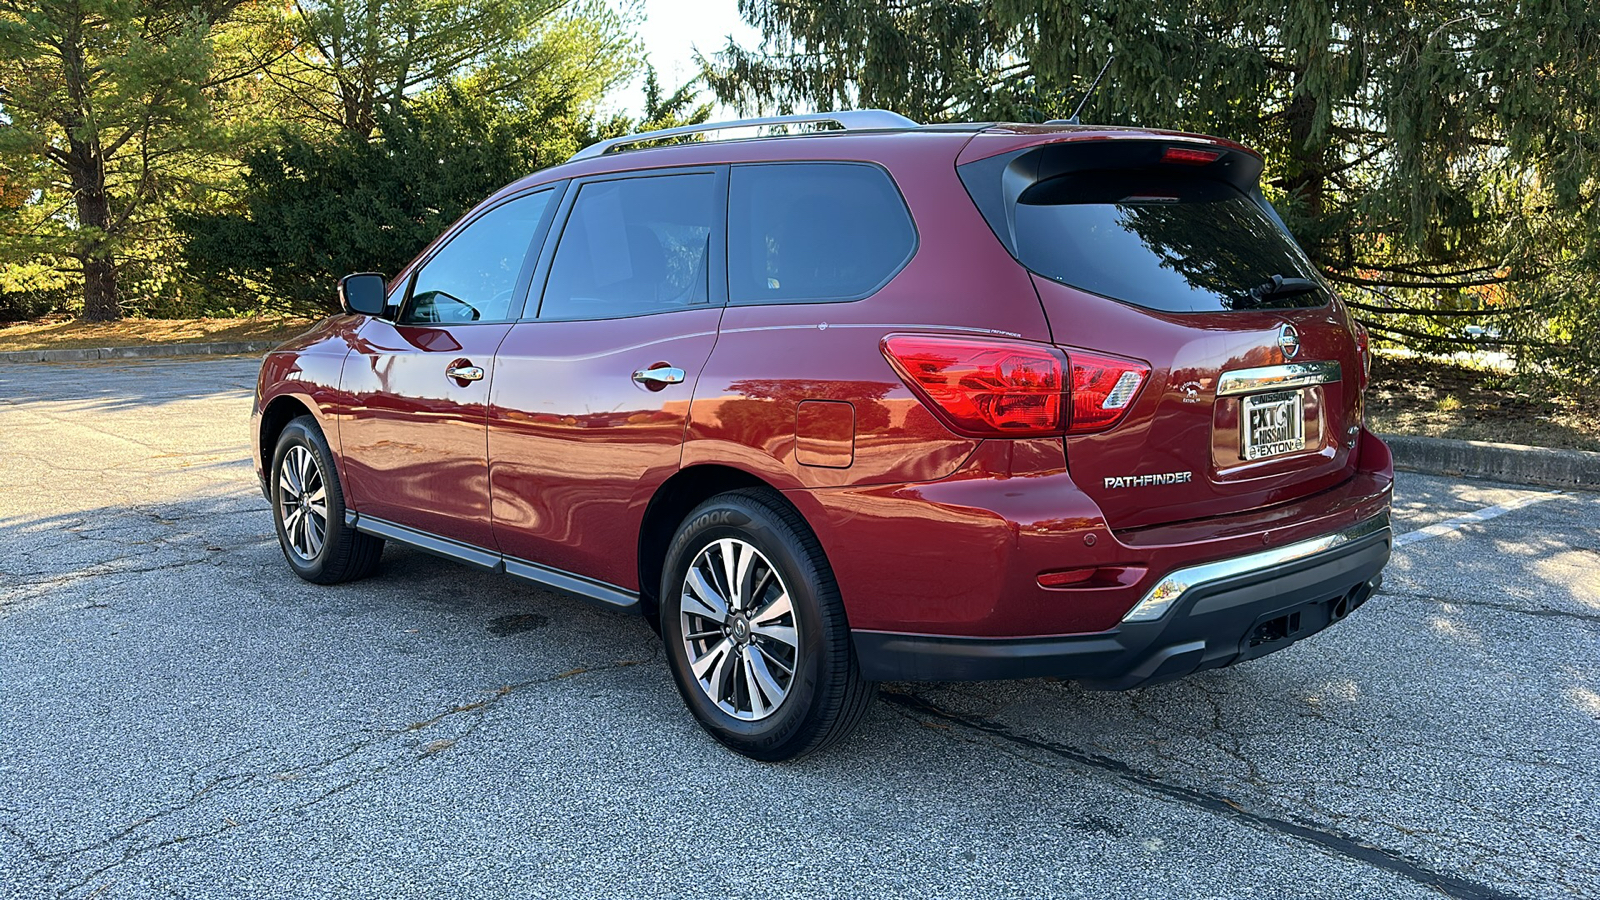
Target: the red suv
(878, 402)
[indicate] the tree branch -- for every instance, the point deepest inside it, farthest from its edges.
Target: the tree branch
(1464, 341)
(1441, 313)
(1415, 285)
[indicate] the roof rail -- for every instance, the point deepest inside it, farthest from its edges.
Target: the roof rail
(849, 120)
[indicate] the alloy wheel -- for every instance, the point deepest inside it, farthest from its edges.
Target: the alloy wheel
(739, 629)
(303, 502)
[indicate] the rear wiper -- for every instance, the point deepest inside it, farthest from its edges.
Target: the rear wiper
(1279, 286)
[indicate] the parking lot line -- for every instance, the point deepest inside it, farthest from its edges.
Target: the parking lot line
(1472, 518)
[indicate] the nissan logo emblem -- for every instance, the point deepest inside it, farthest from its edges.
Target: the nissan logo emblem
(1288, 341)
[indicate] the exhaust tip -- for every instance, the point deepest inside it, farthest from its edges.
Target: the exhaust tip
(1352, 600)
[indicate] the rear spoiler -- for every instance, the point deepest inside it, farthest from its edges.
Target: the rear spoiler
(996, 183)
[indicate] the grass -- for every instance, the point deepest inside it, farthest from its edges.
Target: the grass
(1434, 398)
(62, 333)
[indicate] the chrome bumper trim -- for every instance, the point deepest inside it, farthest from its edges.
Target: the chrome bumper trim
(1160, 598)
(1288, 375)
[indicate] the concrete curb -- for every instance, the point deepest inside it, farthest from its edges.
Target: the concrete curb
(152, 351)
(1512, 463)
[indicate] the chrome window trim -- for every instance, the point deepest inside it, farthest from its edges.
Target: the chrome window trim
(1170, 589)
(1288, 375)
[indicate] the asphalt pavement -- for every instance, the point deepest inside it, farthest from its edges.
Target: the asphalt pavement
(182, 717)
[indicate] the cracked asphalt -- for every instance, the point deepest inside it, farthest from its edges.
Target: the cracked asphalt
(181, 717)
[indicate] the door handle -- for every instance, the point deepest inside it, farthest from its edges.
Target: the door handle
(465, 373)
(659, 376)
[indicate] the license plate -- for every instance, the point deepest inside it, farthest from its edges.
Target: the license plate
(1274, 424)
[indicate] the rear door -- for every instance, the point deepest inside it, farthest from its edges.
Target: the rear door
(414, 442)
(590, 398)
(1163, 252)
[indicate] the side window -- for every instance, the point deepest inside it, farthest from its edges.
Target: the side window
(474, 277)
(802, 231)
(633, 246)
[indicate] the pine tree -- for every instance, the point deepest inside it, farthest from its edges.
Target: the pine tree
(349, 60)
(315, 210)
(1435, 158)
(102, 101)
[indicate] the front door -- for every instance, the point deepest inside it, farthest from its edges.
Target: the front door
(414, 443)
(589, 401)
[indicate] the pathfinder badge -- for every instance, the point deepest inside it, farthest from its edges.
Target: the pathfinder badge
(1127, 481)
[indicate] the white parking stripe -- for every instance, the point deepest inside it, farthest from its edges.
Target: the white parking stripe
(1472, 518)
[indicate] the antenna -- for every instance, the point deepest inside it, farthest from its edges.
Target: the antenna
(1090, 93)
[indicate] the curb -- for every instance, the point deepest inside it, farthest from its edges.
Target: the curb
(1511, 463)
(151, 351)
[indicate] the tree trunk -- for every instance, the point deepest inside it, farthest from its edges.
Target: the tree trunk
(86, 169)
(1306, 176)
(100, 290)
(94, 220)
(1307, 172)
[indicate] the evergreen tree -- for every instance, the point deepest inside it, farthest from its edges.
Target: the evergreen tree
(105, 104)
(347, 60)
(662, 110)
(313, 211)
(1435, 158)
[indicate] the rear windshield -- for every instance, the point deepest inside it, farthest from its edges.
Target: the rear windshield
(1172, 244)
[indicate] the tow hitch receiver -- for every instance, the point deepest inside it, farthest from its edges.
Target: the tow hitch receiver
(1281, 628)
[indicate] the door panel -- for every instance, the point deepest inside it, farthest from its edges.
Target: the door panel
(577, 446)
(590, 401)
(414, 443)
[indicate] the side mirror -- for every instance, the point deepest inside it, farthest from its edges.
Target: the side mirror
(364, 292)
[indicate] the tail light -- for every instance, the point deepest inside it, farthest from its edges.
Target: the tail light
(991, 387)
(1364, 346)
(1103, 387)
(982, 387)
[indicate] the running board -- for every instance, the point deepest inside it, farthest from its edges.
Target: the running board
(599, 593)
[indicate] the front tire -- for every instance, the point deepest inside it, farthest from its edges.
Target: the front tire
(755, 630)
(308, 510)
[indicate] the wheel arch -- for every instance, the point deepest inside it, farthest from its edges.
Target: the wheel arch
(277, 415)
(670, 505)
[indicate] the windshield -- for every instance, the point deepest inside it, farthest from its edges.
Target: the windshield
(1165, 243)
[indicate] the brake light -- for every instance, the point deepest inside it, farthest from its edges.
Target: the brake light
(1190, 157)
(1002, 388)
(983, 387)
(1103, 388)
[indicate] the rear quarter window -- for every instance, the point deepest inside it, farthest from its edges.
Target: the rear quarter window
(804, 232)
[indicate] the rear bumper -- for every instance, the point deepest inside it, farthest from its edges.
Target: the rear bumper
(1224, 612)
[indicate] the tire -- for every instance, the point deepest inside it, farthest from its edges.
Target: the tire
(317, 544)
(784, 675)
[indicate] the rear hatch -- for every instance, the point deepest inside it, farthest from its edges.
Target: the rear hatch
(1158, 248)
